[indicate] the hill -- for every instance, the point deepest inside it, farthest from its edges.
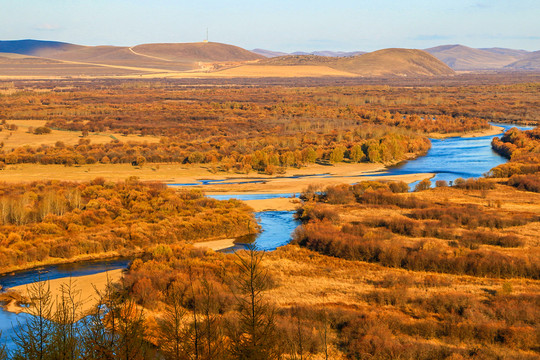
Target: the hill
(176, 52)
(194, 52)
(528, 63)
(509, 52)
(395, 62)
(36, 47)
(387, 62)
(464, 58)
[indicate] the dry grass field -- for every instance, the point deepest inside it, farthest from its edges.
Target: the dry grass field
(22, 137)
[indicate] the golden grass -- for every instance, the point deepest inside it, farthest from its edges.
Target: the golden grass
(21, 137)
(303, 277)
(278, 71)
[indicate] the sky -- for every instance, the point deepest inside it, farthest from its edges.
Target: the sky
(279, 25)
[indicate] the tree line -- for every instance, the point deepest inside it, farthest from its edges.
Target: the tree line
(523, 150)
(50, 220)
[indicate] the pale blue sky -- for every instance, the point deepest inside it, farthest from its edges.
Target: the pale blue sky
(285, 25)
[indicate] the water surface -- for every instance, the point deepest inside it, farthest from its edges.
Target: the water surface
(454, 158)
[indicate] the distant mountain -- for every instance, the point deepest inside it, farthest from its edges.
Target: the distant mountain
(387, 62)
(509, 52)
(331, 53)
(271, 54)
(460, 57)
(36, 47)
(530, 62)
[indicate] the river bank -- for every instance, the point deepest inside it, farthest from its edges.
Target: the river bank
(86, 287)
(491, 131)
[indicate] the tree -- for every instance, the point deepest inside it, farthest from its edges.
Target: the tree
(3, 350)
(172, 330)
(356, 154)
(212, 335)
(255, 336)
(34, 338)
(337, 154)
(441, 183)
(65, 344)
(423, 185)
(115, 329)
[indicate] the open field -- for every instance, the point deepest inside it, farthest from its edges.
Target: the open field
(22, 137)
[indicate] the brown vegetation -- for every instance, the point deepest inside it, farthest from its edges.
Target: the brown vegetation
(523, 150)
(405, 237)
(46, 222)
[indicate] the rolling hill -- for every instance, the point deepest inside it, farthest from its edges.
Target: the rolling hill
(464, 58)
(530, 62)
(386, 62)
(36, 47)
(201, 51)
(32, 58)
(133, 56)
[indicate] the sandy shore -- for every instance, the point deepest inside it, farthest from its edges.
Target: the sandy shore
(296, 186)
(278, 204)
(292, 181)
(215, 244)
(86, 288)
(493, 130)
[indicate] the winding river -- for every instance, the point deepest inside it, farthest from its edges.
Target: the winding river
(448, 159)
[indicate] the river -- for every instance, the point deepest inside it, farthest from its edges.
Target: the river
(448, 159)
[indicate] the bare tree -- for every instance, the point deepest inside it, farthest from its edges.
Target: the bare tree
(3, 349)
(34, 338)
(65, 343)
(212, 334)
(114, 330)
(195, 333)
(172, 327)
(256, 335)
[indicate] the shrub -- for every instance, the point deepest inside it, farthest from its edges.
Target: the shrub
(423, 185)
